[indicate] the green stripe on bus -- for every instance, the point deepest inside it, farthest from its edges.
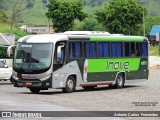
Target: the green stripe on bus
(115, 38)
(113, 65)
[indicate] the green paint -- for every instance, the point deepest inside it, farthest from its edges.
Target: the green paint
(113, 65)
(118, 38)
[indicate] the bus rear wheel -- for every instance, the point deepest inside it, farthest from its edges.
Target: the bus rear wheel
(70, 85)
(34, 90)
(119, 81)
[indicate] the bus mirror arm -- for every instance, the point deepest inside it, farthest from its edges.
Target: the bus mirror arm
(10, 50)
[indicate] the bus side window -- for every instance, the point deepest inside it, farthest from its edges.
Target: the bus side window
(71, 50)
(100, 49)
(92, 52)
(144, 49)
(129, 49)
(90, 49)
(116, 49)
(126, 49)
(103, 49)
(75, 50)
(138, 49)
(86, 50)
(106, 49)
(141, 49)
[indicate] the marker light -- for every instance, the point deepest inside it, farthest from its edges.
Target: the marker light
(15, 77)
(46, 77)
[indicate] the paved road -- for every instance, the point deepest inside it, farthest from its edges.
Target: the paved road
(14, 103)
(101, 99)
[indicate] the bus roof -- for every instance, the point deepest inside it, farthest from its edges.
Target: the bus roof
(90, 33)
(53, 38)
(119, 38)
(43, 38)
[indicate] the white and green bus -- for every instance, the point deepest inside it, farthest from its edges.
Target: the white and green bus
(79, 58)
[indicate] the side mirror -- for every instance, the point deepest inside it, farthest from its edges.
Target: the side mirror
(10, 50)
(59, 53)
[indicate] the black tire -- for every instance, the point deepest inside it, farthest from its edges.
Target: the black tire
(120, 81)
(70, 85)
(88, 87)
(111, 86)
(11, 80)
(34, 90)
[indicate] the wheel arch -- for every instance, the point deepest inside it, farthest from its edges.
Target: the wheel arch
(70, 86)
(123, 73)
(74, 76)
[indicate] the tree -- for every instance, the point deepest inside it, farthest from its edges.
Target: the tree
(89, 24)
(3, 16)
(63, 14)
(121, 16)
(17, 10)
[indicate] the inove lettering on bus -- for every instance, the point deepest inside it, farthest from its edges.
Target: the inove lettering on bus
(117, 65)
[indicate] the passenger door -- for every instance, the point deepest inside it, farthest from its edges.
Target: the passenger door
(59, 55)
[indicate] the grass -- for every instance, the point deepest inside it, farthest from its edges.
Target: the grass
(6, 28)
(36, 15)
(154, 50)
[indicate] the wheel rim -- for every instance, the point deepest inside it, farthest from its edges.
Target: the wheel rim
(70, 84)
(120, 81)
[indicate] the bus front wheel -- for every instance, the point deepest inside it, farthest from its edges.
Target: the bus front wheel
(34, 90)
(119, 81)
(11, 80)
(70, 85)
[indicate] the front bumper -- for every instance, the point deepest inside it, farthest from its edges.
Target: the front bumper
(33, 83)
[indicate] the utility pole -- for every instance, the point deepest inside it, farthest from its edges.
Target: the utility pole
(48, 20)
(144, 34)
(48, 26)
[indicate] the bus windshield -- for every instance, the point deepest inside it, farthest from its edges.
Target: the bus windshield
(32, 58)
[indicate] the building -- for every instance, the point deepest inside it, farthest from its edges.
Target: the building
(37, 29)
(7, 39)
(153, 33)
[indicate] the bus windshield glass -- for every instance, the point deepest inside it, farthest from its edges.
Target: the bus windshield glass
(32, 58)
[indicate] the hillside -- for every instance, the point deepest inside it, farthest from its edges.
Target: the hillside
(34, 10)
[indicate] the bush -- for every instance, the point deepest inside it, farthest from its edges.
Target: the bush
(18, 34)
(3, 52)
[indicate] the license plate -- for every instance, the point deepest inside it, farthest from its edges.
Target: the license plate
(29, 83)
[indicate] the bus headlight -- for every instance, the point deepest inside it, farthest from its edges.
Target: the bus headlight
(46, 77)
(15, 77)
